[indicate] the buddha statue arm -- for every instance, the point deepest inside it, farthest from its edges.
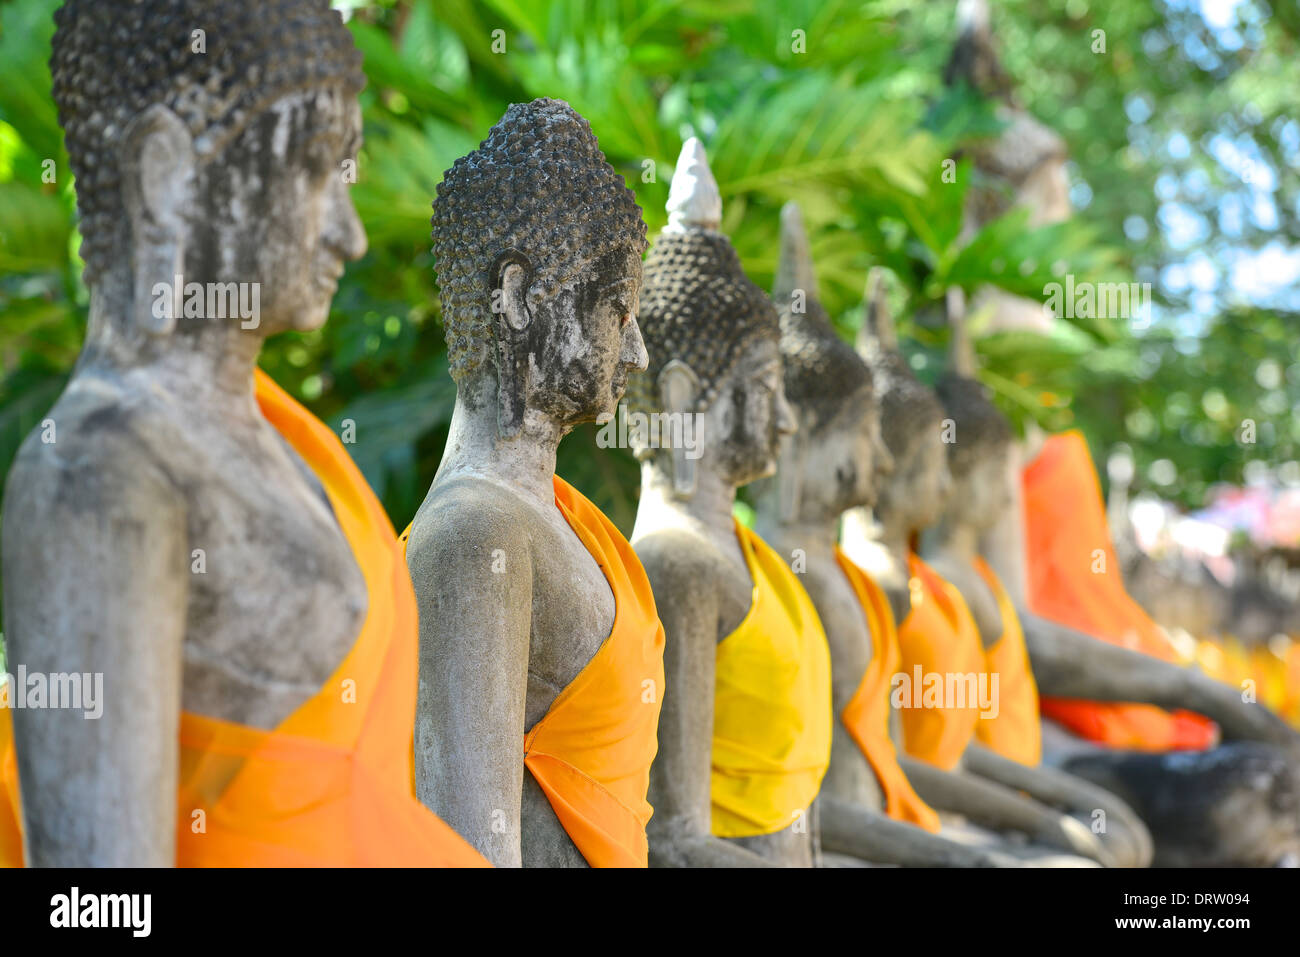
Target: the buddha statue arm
(1070, 664)
(1125, 834)
(97, 569)
(681, 776)
(850, 829)
(475, 628)
(1001, 809)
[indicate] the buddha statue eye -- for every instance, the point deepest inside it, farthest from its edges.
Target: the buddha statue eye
(321, 157)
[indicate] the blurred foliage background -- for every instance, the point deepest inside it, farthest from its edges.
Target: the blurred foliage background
(1185, 161)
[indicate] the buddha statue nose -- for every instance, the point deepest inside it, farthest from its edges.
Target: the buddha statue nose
(344, 234)
(786, 423)
(882, 457)
(634, 352)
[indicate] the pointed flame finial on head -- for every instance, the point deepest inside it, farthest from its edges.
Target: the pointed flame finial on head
(795, 267)
(973, 16)
(877, 332)
(693, 197)
(974, 59)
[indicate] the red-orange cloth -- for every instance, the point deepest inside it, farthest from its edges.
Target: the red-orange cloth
(591, 752)
(866, 716)
(1016, 733)
(1074, 579)
(332, 785)
(937, 640)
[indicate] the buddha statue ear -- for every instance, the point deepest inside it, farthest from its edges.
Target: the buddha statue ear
(158, 169)
(510, 319)
(679, 392)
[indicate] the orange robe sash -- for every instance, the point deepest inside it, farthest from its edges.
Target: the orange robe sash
(937, 638)
(332, 785)
(1074, 579)
(866, 716)
(592, 750)
(1016, 733)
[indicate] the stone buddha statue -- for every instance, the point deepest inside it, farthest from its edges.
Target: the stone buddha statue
(836, 461)
(744, 737)
(1073, 666)
(937, 634)
(1022, 166)
(184, 531)
(541, 655)
(1011, 743)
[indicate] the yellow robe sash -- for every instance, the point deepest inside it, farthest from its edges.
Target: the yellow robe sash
(771, 705)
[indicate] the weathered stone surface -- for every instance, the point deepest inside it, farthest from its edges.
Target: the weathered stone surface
(167, 536)
(538, 247)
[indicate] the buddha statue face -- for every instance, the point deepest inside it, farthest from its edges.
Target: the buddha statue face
(745, 424)
(275, 210)
(978, 456)
(583, 340)
(912, 421)
(846, 463)
(538, 244)
(838, 459)
(916, 494)
(215, 169)
(984, 489)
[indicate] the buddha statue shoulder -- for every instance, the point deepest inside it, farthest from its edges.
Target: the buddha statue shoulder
(536, 622)
(744, 736)
(191, 536)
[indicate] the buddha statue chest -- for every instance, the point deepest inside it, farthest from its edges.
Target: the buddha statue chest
(276, 598)
(735, 587)
(572, 614)
(849, 776)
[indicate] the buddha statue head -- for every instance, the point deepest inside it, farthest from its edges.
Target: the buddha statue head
(1024, 163)
(713, 340)
(837, 459)
(211, 143)
(538, 246)
(915, 493)
(977, 456)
